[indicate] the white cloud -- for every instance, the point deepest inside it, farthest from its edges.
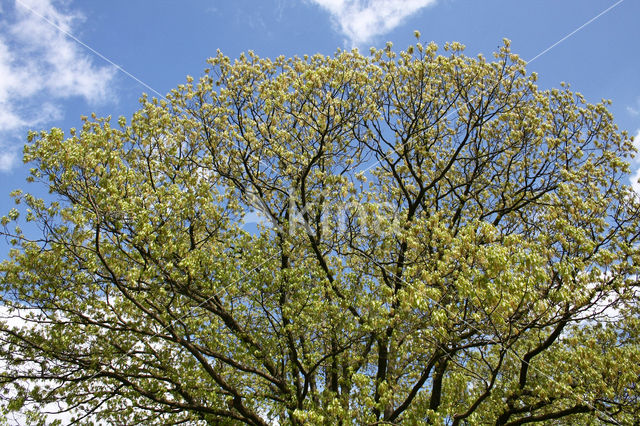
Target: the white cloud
(636, 143)
(7, 160)
(635, 109)
(41, 66)
(362, 20)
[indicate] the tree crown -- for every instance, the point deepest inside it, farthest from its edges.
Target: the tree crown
(442, 242)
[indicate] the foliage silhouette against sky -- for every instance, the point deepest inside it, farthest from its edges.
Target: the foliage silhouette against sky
(48, 79)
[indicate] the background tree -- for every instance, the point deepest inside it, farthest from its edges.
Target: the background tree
(443, 243)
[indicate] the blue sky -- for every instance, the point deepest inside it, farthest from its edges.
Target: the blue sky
(60, 59)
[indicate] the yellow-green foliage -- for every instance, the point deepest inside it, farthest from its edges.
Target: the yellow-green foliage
(442, 242)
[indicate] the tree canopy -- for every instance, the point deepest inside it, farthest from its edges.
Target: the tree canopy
(441, 242)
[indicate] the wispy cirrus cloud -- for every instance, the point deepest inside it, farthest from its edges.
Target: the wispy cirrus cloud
(362, 20)
(40, 66)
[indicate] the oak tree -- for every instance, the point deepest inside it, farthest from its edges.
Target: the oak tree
(440, 242)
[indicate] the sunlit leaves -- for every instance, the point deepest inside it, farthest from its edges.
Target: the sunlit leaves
(441, 241)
